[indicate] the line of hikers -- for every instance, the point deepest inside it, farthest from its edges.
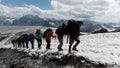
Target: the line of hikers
(71, 29)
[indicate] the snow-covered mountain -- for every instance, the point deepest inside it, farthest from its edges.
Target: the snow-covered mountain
(35, 20)
(89, 26)
(5, 21)
(28, 20)
(93, 26)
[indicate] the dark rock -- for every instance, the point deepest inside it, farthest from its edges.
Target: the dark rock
(20, 59)
(102, 30)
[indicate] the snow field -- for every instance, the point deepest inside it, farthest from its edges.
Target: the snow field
(104, 47)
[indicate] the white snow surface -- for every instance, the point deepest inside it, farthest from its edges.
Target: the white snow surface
(104, 47)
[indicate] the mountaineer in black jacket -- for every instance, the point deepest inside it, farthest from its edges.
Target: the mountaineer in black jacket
(60, 31)
(74, 32)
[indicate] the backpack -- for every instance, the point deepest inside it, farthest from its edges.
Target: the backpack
(58, 30)
(70, 27)
(46, 31)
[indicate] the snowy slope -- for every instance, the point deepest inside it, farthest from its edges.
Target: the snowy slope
(101, 47)
(104, 48)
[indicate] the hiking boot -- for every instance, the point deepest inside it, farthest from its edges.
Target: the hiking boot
(60, 49)
(69, 51)
(48, 48)
(39, 47)
(32, 48)
(74, 49)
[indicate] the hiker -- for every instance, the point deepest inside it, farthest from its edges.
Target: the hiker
(47, 35)
(38, 36)
(14, 41)
(31, 39)
(60, 31)
(73, 29)
(19, 40)
(25, 39)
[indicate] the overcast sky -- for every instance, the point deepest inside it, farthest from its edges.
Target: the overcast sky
(98, 10)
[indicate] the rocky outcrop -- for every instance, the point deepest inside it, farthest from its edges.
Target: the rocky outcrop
(12, 58)
(102, 30)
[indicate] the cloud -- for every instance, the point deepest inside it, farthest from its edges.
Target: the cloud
(112, 14)
(13, 11)
(99, 10)
(20, 11)
(81, 8)
(17, 12)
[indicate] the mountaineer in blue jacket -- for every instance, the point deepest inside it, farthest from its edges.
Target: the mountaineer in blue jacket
(25, 39)
(31, 39)
(39, 36)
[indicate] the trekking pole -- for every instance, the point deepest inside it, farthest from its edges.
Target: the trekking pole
(55, 38)
(67, 39)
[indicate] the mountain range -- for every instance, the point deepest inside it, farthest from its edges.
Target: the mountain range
(34, 20)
